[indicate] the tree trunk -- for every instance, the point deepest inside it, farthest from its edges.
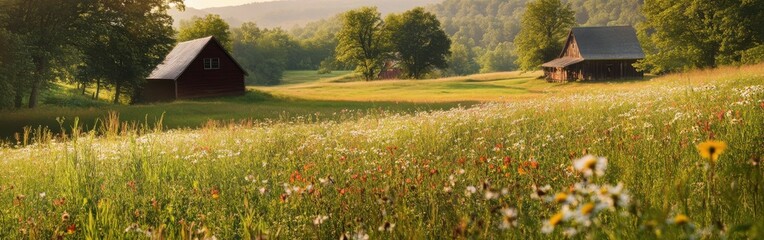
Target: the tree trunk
(18, 100)
(34, 94)
(98, 89)
(41, 64)
(117, 90)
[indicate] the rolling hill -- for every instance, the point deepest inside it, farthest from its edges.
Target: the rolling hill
(289, 13)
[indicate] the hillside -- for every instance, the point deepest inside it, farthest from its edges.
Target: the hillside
(289, 13)
(504, 170)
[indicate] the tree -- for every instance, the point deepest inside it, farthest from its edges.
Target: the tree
(263, 53)
(127, 40)
(498, 60)
(46, 26)
(419, 42)
(544, 27)
(361, 41)
(686, 34)
(210, 25)
(462, 60)
(15, 66)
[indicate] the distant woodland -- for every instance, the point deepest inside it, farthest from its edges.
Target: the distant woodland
(115, 44)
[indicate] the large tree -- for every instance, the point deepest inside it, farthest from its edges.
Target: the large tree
(127, 40)
(48, 27)
(210, 25)
(262, 52)
(544, 28)
(682, 34)
(15, 66)
(362, 41)
(419, 42)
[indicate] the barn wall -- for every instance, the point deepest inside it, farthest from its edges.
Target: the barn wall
(158, 90)
(609, 69)
(198, 82)
(571, 48)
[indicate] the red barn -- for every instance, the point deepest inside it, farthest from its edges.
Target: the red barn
(193, 69)
(597, 53)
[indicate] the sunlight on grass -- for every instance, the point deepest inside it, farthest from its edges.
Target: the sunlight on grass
(676, 158)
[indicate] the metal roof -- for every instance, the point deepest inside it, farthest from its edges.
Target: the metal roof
(182, 56)
(607, 43)
(563, 62)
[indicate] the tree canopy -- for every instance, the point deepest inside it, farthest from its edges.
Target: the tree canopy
(684, 34)
(361, 41)
(545, 25)
(210, 25)
(419, 42)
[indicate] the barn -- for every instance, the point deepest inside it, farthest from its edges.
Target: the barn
(194, 69)
(597, 53)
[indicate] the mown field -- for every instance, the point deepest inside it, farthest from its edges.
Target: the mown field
(625, 160)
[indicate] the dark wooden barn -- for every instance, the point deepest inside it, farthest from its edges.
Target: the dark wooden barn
(597, 53)
(193, 69)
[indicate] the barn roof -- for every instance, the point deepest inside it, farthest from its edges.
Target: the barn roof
(563, 62)
(607, 43)
(182, 56)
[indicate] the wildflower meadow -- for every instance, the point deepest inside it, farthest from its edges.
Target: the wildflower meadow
(674, 158)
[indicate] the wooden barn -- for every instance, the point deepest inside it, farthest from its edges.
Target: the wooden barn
(597, 53)
(193, 69)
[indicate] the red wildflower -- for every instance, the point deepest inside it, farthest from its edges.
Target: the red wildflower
(71, 229)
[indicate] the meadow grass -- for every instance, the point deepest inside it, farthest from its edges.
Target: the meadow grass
(303, 76)
(516, 169)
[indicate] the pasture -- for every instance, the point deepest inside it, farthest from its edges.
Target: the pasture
(623, 160)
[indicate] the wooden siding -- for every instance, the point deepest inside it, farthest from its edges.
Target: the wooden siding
(571, 48)
(158, 90)
(594, 70)
(198, 82)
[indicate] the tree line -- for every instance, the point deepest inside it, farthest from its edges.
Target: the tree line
(109, 43)
(115, 44)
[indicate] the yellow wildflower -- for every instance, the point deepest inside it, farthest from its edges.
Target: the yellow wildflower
(711, 149)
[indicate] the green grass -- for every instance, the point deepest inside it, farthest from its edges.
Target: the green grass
(501, 86)
(455, 173)
(296, 77)
(254, 106)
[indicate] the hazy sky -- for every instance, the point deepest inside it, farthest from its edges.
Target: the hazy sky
(218, 3)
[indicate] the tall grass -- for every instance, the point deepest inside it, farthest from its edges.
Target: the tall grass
(460, 173)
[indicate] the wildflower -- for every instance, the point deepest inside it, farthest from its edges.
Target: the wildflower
(387, 226)
(250, 178)
(711, 149)
(552, 222)
(491, 194)
(262, 190)
(360, 235)
(561, 197)
(71, 229)
(42, 195)
(319, 220)
(133, 228)
(470, 190)
(538, 193)
(509, 218)
(590, 165)
(65, 216)
(215, 193)
(587, 209)
(679, 219)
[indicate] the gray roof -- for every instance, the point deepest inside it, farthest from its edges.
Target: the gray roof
(563, 62)
(608, 43)
(179, 58)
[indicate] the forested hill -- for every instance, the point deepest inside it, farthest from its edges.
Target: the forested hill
(288, 13)
(490, 22)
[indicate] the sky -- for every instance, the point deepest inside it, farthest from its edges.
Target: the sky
(199, 4)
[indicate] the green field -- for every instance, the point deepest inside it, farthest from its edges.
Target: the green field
(296, 77)
(513, 167)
